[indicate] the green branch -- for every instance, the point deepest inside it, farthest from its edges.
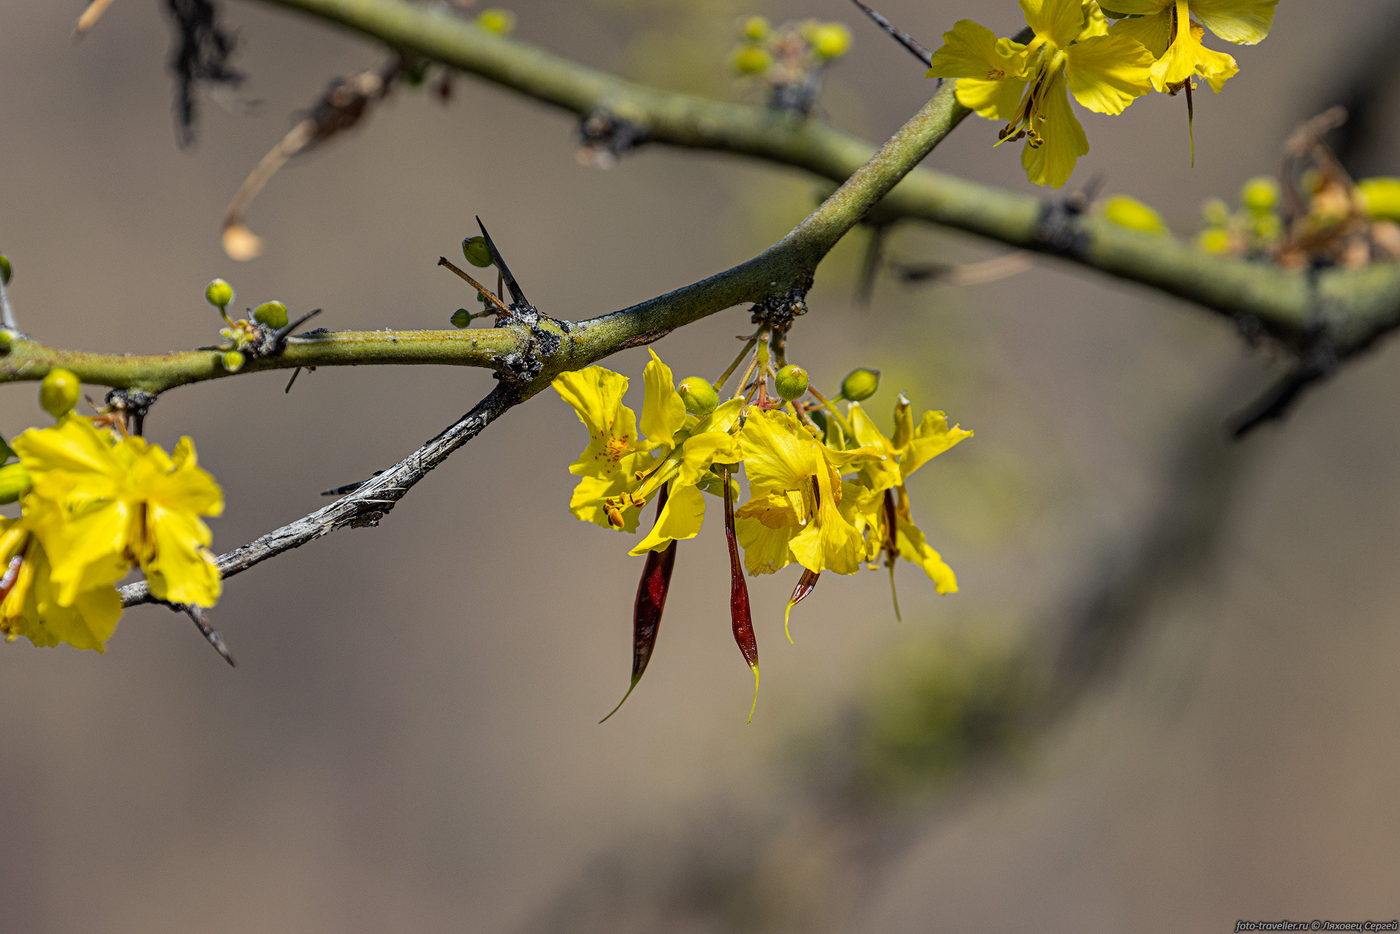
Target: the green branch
(532, 352)
(1352, 308)
(28, 359)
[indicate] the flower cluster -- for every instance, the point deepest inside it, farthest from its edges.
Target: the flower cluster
(94, 503)
(790, 59)
(827, 489)
(1075, 51)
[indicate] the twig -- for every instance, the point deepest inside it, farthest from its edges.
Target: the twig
(903, 38)
(1280, 398)
(482, 290)
(369, 502)
(90, 16)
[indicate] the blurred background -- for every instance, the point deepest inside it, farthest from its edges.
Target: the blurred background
(1164, 699)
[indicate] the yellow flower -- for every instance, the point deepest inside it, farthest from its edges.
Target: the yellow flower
(622, 469)
(1028, 86)
(28, 599)
(799, 508)
(609, 463)
(1179, 52)
(99, 502)
(885, 501)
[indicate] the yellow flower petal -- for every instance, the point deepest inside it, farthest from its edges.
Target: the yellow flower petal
(681, 518)
(1107, 73)
(932, 438)
(1064, 141)
(1243, 22)
(595, 393)
(971, 50)
(1059, 22)
(994, 100)
(663, 410)
(586, 502)
(1154, 32)
(765, 548)
(1140, 7)
(1187, 57)
(913, 547)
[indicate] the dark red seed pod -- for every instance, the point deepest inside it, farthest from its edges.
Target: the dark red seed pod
(890, 546)
(646, 612)
(805, 585)
(739, 611)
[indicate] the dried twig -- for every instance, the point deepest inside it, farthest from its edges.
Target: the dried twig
(342, 106)
(90, 16)
(368, 503)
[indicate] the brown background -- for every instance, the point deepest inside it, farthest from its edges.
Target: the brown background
(410, 743)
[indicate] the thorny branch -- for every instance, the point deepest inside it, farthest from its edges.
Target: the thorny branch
(1351, 308)
(367, 503)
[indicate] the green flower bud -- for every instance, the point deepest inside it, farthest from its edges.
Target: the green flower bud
(1267, 227)
(14, 483)
(477, 252)
(271, 314)
(699, 395)
(752, 60)
(1259, 195)
(756, 28)
(818, 418)
(59, 392)
(219, 294)
(1133, 214)
(6, 340)
(860, 384)
(501, 22)
(1215, 213)
(462, 318)
(232, 360)
(791, 382)
(830, 40)
(1215, 241)
(6, 270)
(1381, 197)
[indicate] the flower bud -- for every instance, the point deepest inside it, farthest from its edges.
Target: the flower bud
(752, 60)
(6, 340)
(219, 294)
(59, 392)
(860, 384)
(232, 361)
(791, 382)
(6, 270)
(1267, 227)
(501, 22)
(271, 314)
(462, 318)
(699, 395)
(1215, 240)
(818, 418)
(1259, 195)
(477, 252)
(14, 482)
(1133, 214)
(830, 40)
(1380, 197)
(1215, 213)
(756, 28)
